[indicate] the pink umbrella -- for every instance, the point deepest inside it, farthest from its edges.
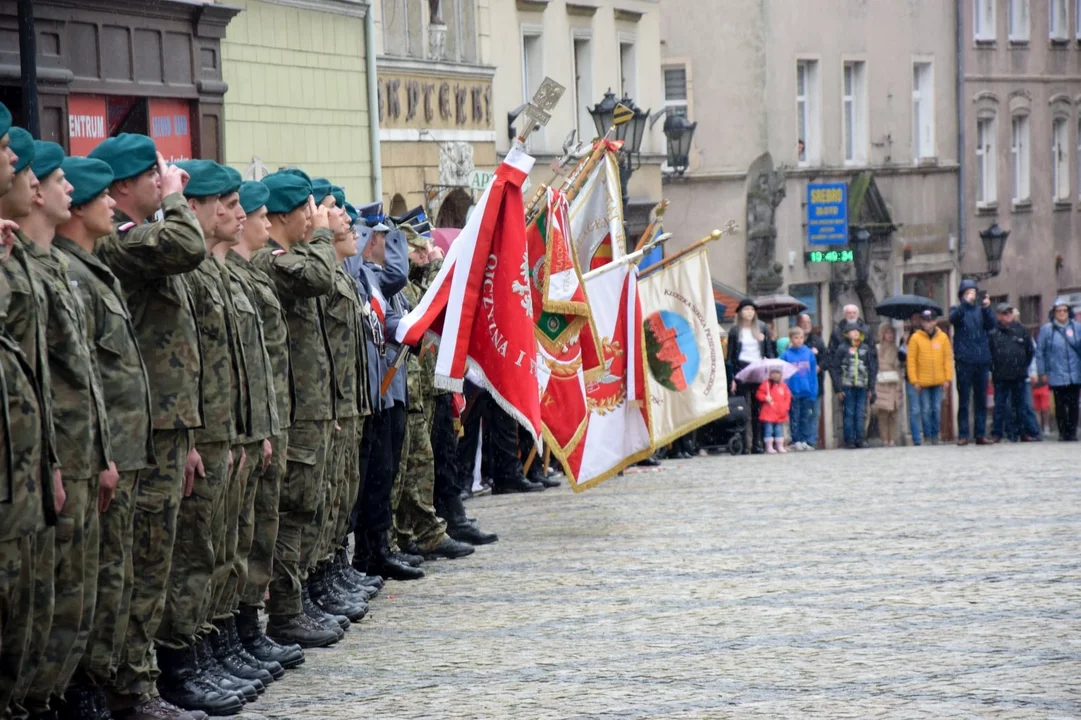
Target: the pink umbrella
(443, 237)
(758, 371)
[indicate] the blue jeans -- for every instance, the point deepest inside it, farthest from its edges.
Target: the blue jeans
(912, 399)
(801, 419)
(854, 403)
(812, 426)
(1008, 420)
(1028, 414)
(972, 387)
(772, 430)
(931, 411)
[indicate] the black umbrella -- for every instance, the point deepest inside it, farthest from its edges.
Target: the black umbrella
(771, 307)
(902, 307)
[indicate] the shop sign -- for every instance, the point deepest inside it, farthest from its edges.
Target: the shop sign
(170, 127)
(87, 126)
(434, 102)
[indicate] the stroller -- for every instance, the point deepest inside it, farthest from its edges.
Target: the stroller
(726, 433)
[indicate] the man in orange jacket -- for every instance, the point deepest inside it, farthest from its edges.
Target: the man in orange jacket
(930, 370)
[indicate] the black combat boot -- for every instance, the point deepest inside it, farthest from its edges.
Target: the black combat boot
(301, 630)
(382, 563)
(352, 590)
(272, 667)
(448, 548)
(371, 584)
(213, 673)
(181, 684)
(80, 703)
(322, 617)
(330, 600)
(260, 646)
(233, 663)
(460, 527)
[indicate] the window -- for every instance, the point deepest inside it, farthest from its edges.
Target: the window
(1060, 160)
(923, 111)
(675, 94)
(983, 20)
(628, 69)
(583, 86)
(854, 101)
(807, 111)
(1020, 152)
(461, 30)
(1018, 20)
(532, 72)
(1031, 311)
(986, 189)
(402, 26)
(1058, 22)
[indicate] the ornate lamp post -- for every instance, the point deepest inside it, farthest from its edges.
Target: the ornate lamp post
(994, 243)
(630, 133)
(678, 130)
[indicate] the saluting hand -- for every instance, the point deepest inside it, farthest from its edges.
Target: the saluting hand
(268, 451)
(107, 481)
(173, 179)
(7, 237)
(320, 214)
(194, 464)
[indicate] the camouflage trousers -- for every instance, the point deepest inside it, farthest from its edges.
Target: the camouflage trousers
(414, 487)
(301, 491)
(16, 610)
(349, 472)
(116, 578)
(201, 516)
(264, 523)
(342, 476)
(43, 582)
(157, 505)
(238, 536)
(76, 577)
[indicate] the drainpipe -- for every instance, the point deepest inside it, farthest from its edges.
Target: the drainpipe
(373, 106)
(28, 68)
(961, 152)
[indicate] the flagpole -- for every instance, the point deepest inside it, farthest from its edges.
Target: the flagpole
(631, 258)
(573, 184)
(654, 221)
(715, 235)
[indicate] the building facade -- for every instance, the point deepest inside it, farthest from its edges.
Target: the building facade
(111, 66)
(297, 72)
(1022, 164)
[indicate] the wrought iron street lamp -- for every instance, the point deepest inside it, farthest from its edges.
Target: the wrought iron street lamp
(630, 133)
(994, 243)
(678, 131)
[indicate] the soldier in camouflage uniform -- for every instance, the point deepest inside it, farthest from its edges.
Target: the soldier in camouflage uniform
(81, 431)
(150, 259)
(27, 506)
(259, 520)
(328, 588)
(414, 513)
(126, 395)
(302, 272)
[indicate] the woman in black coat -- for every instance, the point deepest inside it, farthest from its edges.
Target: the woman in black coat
(748, 341)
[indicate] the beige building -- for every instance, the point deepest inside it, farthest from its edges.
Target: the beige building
(788, 94)
(1022, 168)
(298, 90)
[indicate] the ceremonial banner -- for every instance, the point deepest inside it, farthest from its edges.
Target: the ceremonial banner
(597, 214)
(480, 306)
(616, 430)
(687, 385)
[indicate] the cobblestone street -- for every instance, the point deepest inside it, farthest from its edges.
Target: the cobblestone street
(935, 582)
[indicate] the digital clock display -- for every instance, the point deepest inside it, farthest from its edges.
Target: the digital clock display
(830, 256)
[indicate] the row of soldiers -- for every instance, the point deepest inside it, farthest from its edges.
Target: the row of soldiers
(195, 423)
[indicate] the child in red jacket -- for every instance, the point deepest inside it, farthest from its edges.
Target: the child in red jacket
(776, 399)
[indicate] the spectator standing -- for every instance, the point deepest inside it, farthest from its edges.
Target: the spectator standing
(850, 319)
(1011, 353)
(776, 400)
(930, 370)
(748, 341)
(804, 388)
(972, 320)
(817, 346)
(889, 396)
(854, 368)
(912, 398)
(1058, 357)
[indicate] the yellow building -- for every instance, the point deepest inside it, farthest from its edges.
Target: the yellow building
(298, 91)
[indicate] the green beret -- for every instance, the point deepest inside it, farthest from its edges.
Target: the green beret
(128, 154)
(47, 158)
(234, 180)
(5, 119)
(206, 178)
(288, 191)
(352, 213)
(321, 187)
(253, 195)
(88, 177)
(299, 173)
(22, 144)
(339, 195)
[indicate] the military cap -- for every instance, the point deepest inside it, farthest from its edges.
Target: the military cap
(414, 238)
(88, 177)
(207, 178)
(253, 195)
(47, 158)
(128, 154)
(299, 173)
(352, 213)
(5, 119)
(22, 144)
(235, 180)
(339, 195)
(321, 187)
(288, 191)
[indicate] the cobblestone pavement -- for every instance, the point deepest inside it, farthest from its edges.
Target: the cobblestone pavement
(935, 582)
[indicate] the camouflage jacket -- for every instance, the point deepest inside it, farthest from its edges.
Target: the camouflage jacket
(82, 433)
(224, 393)
(275, 333)
(421, 366)
(149, 261)
(303, 275)
(124, 384)
(24, 461)
(258, 371)
(345, 334)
